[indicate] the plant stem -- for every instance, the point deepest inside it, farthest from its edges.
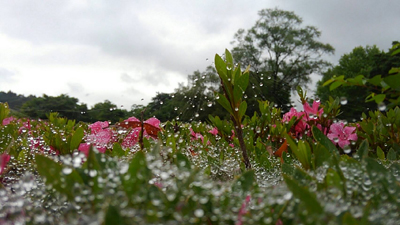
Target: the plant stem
(239, 134)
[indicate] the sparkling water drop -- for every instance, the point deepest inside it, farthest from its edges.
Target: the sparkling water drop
(199, 213)
(209, 104)
(381, 106)
(343, 100)
(347, 149)
(67, 170)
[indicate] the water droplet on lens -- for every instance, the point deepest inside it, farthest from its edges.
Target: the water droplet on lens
(196, 115)
(199, 213)
(209, 104)
(343, 100)
(347, 149)
(67, 170)
(236, 109)
(381, 106)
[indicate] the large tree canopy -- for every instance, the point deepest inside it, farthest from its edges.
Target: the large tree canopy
(279, 44)
(367, 61)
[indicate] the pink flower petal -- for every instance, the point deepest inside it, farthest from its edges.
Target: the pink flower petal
(153, 121)
(4, 158)
(84, 148)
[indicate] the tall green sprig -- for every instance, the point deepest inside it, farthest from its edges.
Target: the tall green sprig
(234, 84)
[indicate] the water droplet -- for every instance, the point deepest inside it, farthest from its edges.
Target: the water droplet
(199, 213)
(343, 100)
(176, 108)
(381, 106)
(236, 109)
(196, 115)
(92, 173)
(67, 170)
(347, 149)
(261, 84)
(161, 103)
(209, 104)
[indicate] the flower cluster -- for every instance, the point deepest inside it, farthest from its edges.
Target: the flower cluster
(102, 136)
(338, 133)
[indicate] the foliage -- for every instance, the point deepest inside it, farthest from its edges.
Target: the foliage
(367, 61)
(383, 89)
(14, 100)
(279, 44)
(106, 111)
(234, 84)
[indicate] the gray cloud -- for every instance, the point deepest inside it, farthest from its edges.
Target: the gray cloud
(154, 39)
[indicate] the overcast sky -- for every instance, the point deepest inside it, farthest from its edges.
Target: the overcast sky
(126, 51)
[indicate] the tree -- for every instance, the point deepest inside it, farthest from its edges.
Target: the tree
(279, 44)
(14, 101)
(40, 107)
(367, 61)
(106, 111)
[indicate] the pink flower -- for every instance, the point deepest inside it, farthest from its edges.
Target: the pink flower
(98, 126)
(196, 136)
(214, 131)
(153, 121)
(314, 110)
(26, 126)
(4, 158)
(7, 120)
(243, 210)
(341, 135)
(84, 148)
(289, 115)
(133, 137)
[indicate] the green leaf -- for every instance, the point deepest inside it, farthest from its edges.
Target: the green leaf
(394, 70)
(328, 82)
(52, 171)
(76, 138)
(137, 176)
(332, 179)
(113, 216)
(323, 140)
(225, 103)
(321, 156)
(304, 195)
(242, 109)
(395, 52)
(393, 81)
(380, 153)
(182, 161)
(362, 151)
(392, 156)
(117, 150)
(241, 84)
(229, 59)
(335, 85)
(220, 66)
(302, 151)
(244, 183)
(379, 98)
(348, 219)
(4, 111)
(376, 80)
